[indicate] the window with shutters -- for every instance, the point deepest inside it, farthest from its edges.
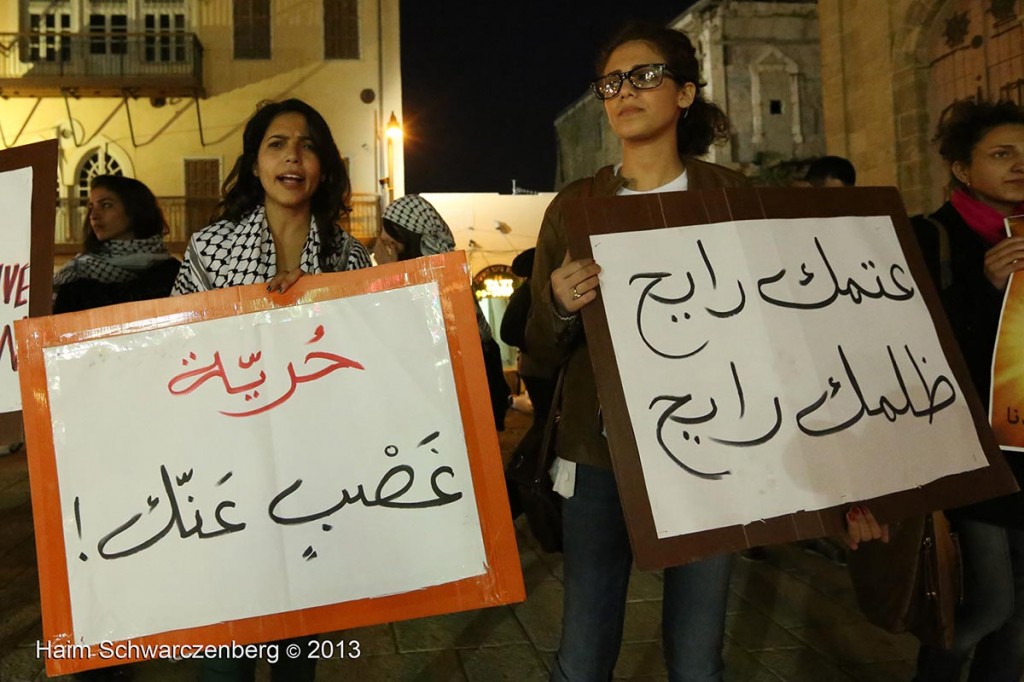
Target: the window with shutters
(251, 20)
(202, 192)
(165, 37)
(341, 29)
(108, 33)
(49, 40)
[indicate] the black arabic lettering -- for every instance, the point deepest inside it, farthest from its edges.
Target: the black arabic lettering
(401, 473)
(389, 494)
(671, 414)
(730, 312)
(174, 520)
(674, 404)
(656, 278)
(648, 294)
(886, 407)
(933, 390)
(756, 440)
(852, 289)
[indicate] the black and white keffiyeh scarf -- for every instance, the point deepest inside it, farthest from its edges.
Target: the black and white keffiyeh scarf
(419, 216)
(228, 254)
(116, 261)
(416, 214)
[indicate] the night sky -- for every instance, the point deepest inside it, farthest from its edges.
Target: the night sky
(482, 82)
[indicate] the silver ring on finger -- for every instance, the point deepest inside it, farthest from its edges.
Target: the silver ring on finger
(575, 294)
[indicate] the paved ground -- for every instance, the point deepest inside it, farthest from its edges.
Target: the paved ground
(791, 617)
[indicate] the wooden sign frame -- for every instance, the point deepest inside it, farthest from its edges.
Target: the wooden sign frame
(42, 158)
(502, 583)
(595, 216)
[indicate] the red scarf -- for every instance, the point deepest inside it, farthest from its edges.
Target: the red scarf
(986, 222)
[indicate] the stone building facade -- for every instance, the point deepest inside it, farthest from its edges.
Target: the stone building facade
(761, 62)
(889, 69)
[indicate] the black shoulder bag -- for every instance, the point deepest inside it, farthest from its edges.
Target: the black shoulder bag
(529, 484)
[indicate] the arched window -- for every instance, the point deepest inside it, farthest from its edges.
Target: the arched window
(97, 162)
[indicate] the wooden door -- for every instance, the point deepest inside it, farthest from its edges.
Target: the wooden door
(202, 192)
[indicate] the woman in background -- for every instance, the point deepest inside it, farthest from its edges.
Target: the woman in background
(413, 228)
(983, 143)
(123, 259)
(539, 386)
(123, 255)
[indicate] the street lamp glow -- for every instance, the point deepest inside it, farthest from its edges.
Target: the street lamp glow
(394, 128)
(393, 131)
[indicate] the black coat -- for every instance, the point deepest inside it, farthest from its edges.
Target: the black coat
(84, 294)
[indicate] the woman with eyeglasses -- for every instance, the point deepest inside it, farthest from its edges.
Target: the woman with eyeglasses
(650, 85)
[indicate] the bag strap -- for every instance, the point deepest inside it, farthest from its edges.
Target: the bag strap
(947, 575)
(945, 276)
(548, 441)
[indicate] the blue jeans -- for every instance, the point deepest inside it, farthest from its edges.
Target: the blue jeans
(598, 561)
(991, 618)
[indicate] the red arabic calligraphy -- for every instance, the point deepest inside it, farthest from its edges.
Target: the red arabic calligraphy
(188, 381)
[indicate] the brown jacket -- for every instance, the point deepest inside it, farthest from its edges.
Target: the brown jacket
(554, 342)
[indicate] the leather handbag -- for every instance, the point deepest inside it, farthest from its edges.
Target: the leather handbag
(529, 484)
(914, 582)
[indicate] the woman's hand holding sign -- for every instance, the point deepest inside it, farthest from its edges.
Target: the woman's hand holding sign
(574, 285)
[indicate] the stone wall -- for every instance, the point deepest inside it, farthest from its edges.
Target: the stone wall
(858, 86)
(757, 53)
(585, 141)
(875, 87)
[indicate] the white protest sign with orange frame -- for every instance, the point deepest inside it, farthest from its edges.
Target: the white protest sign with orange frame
(230, 467)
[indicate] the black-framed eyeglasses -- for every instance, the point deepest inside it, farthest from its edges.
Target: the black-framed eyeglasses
(643, 77)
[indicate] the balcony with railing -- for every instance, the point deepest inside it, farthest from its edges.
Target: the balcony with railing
(186, 215)
(151, 64)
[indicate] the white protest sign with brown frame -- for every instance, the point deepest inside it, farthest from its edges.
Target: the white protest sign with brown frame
(766, 358)
(28, 193)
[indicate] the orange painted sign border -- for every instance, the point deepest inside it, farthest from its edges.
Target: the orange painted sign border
(502, 582)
